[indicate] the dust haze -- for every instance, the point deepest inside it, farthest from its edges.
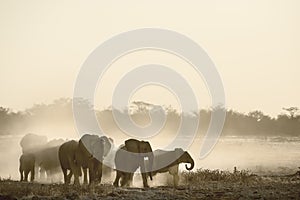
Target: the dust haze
(253, 146)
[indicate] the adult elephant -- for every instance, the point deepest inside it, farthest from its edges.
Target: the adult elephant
(168, 161)
(129, 158)
(87, 154)
(48, 162)
(27, 162)
(31, 141)
(45, 152)
(67, 159)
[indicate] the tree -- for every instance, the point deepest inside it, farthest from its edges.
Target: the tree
(258, 115)
(292, 111)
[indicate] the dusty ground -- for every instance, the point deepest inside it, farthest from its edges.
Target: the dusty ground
(248, 187)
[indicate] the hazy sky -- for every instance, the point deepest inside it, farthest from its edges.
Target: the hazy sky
(255, 45)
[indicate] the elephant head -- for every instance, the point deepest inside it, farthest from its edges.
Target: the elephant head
(144, 148)
(185, 157)
(93, 149)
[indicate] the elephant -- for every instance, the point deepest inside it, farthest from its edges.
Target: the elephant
(97, 148)
(27, 162)
(66, 154)
(45, 152)
(129, 158)
(48, 162)
(31, 141)
(87, 154)
(168, 161)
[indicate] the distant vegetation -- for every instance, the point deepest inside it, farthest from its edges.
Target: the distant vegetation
(218, 175)
(58, 116)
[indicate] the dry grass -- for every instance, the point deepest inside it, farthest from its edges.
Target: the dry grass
(18, 190)
(201, 184)
(201, 175)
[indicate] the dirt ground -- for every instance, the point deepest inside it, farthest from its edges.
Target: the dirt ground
(257, 187)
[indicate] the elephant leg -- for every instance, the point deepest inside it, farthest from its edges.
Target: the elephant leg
(21, 175)
(76, 170)
(85, 181)
(50, 176)
(36, 171)
(118, 176)
(144, 174)
(76, 179)
(130, 180)
(145, 183)
(68, 177)
(26, 175)
(91, 174)
(99, 173)
(175, 180)
(174, 172)
(42, 174)
(124, 179)
(32, 174)
(95, 171)
(65, 175)
(21, 171)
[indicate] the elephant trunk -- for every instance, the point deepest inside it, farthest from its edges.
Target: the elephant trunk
(192, 165)
(191, 161)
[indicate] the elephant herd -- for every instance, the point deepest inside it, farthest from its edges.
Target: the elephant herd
(92, 155)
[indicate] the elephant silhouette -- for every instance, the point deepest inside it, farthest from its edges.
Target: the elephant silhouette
(129, 158)
(45, 153)
(87, 154)
(27, 162)
(168, 161)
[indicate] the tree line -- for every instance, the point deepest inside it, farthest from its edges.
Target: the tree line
(58, 116)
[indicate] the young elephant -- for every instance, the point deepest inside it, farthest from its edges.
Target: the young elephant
(168, 161)
(129, 158)
(27, 162)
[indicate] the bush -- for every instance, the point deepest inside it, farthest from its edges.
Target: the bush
(192, 178)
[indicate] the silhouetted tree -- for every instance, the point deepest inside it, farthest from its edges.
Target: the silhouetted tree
(292, 111)
(57, 115)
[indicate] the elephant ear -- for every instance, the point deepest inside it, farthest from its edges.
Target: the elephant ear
(86, 144)
(107, 145)
(149, 146)
(132, 145)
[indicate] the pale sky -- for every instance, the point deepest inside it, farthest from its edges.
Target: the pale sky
(255, 45)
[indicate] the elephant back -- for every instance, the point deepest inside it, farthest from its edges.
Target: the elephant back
(164, 159)
(31, 141)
